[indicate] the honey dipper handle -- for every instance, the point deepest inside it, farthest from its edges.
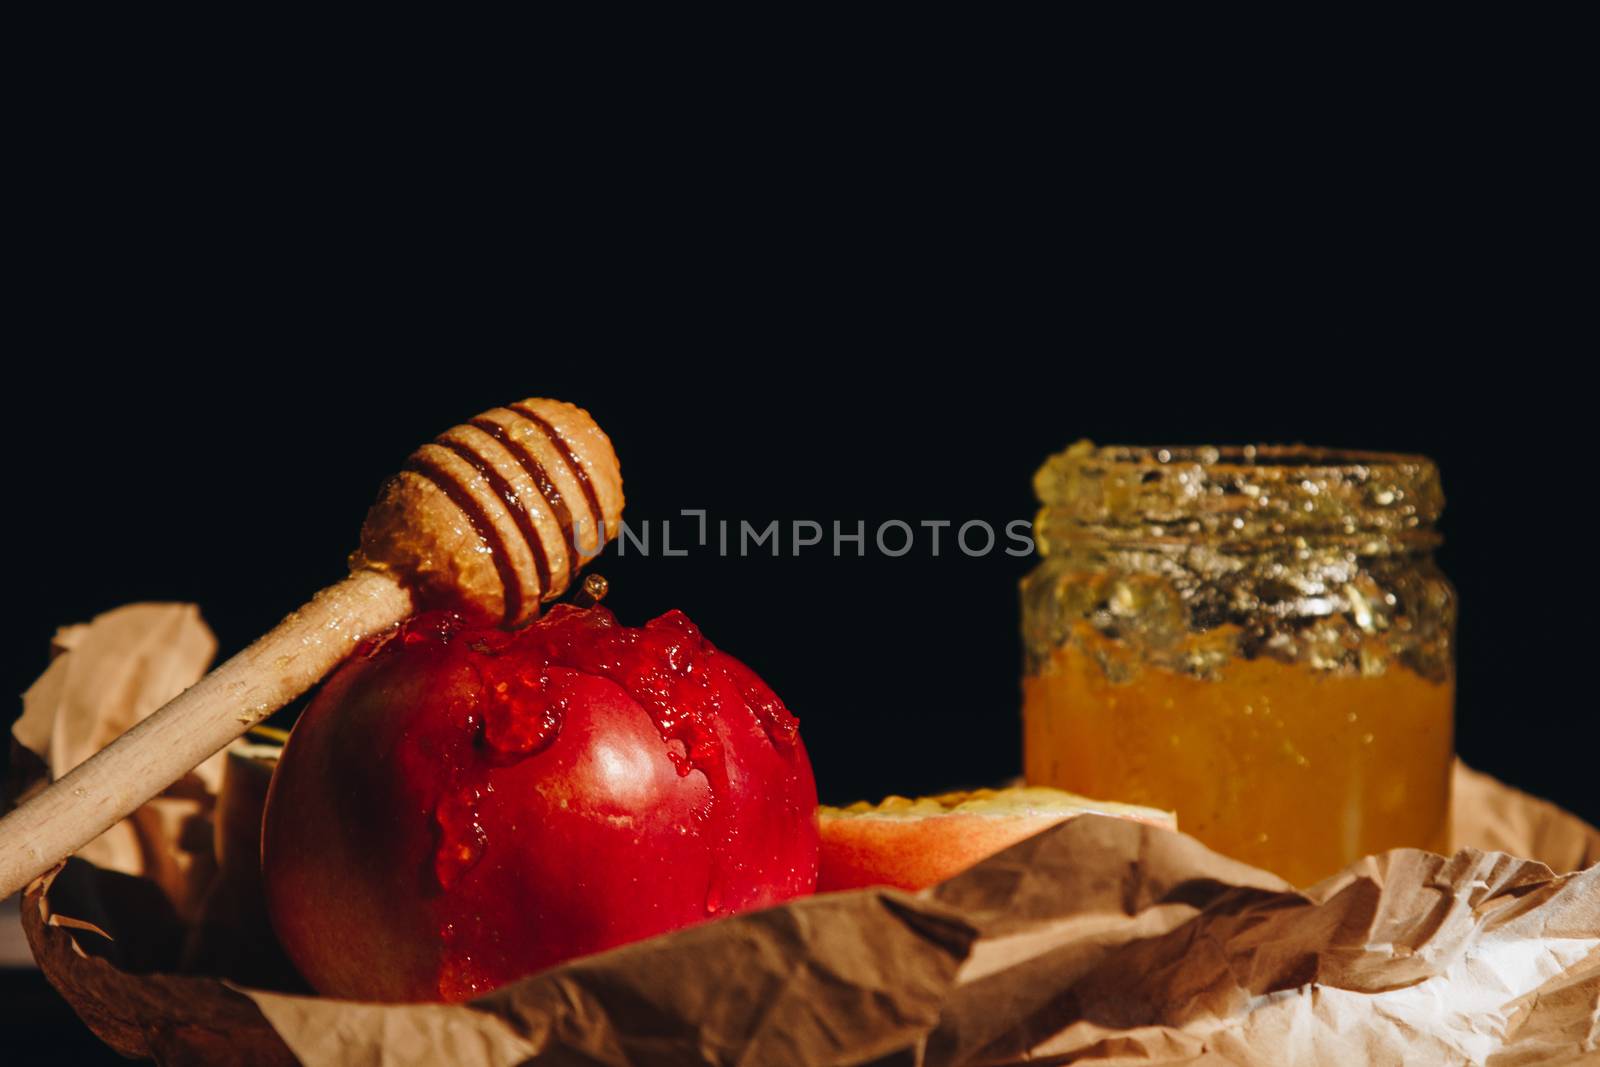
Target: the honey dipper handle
(200, 721)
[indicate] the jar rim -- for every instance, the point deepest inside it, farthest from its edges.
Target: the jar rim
(1263, 457)
(1238, 493)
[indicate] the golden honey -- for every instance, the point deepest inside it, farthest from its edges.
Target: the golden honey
(1255, 638)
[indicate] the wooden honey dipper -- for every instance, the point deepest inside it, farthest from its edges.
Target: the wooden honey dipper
(493, 517)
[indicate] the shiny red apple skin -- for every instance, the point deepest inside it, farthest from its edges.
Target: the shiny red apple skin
(458, 808)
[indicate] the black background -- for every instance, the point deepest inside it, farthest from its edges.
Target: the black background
(221, 350)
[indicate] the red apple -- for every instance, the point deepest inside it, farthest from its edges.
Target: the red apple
(460, 807)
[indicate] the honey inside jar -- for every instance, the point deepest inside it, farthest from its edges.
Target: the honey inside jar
(1255, 638)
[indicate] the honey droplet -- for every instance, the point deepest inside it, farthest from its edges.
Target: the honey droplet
(522, 713)
(594, 590)
(461, 836)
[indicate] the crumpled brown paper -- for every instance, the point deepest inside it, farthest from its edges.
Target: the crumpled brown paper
(103, 678)
(1098, 941)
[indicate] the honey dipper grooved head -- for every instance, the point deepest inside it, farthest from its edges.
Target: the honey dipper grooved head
(497, 514)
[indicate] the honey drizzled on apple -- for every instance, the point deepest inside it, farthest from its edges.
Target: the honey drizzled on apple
(527, 680)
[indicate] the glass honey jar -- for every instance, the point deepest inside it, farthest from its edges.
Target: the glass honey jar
(1256, 638)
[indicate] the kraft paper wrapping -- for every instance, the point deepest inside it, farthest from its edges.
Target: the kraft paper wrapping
(104, 677)
(1098, 941)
